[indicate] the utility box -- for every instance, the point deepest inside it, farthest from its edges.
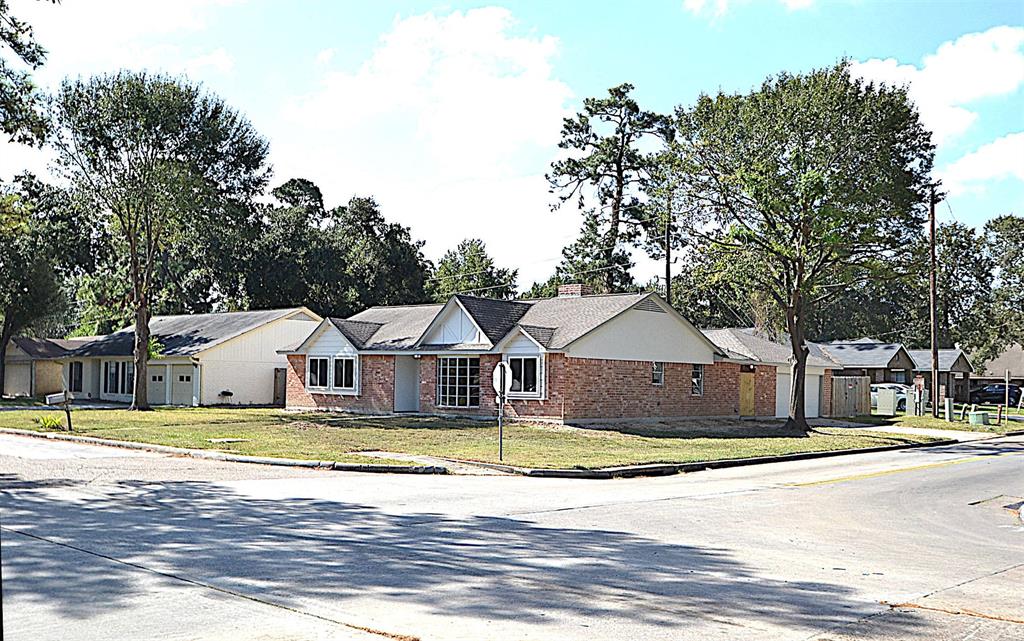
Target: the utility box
(887, 402)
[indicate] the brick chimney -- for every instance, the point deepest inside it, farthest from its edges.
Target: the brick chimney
(574, 290)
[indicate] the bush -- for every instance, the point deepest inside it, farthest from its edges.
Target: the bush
(50, 422)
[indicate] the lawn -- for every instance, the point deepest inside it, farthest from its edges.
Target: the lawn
(927, 421)
(268, 432)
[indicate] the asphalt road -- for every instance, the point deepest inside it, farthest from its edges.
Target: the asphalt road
(102, 543)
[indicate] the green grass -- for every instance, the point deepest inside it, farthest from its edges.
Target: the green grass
(928, 422)
(340, 437)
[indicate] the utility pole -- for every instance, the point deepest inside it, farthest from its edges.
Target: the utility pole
(668, 251)
(933, 306)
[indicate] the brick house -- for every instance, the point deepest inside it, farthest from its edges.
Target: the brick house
(575, 357)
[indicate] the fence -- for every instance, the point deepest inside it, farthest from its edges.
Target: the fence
(851, 396)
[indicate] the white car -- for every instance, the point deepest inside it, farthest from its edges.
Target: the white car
(902, 392)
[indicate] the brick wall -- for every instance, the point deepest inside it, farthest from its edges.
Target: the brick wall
(826, 394)
(764, 390)
(604, 389)
(376, 387)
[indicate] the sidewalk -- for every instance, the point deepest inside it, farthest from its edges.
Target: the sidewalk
(957, 435)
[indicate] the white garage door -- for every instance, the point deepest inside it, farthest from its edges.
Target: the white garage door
(18, 379)
(812, 394)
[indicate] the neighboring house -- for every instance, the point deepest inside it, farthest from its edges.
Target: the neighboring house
(771, 361)
(574, 357)
(994, 371)
(881, 362)
(954, 372)
(31, 366)
(227, 358)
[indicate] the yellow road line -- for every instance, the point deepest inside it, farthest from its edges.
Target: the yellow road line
(927, 466)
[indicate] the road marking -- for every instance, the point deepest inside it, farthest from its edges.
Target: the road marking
(927, 466)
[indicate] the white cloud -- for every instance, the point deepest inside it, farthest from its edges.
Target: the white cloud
(718, 8)
(219, 61)
(450, 123)
(325, 56)
(961, 71)
(1000, 159)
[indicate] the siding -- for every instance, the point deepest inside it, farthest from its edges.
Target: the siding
(638, 335)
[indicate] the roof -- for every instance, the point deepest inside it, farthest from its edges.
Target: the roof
(748, 343)
(861, 352)
(399, 327)
(947, 358)
(496, 318)
(186, 334)
(45, 348)
(357, 332)
(570, 317)
(1012, 358)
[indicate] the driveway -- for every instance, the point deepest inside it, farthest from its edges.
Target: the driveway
(128, 545)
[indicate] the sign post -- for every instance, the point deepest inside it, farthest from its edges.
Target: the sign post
(501, 378)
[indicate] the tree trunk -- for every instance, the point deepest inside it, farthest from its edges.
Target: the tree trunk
(140, 396)
(797, 374)
(6, 332)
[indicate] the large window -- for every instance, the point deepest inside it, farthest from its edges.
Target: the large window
(525, 375)
(658, 373)
(697, 380)
(317, 376)
(458, 381)
(345, 373)
(118, 377)
(75, 376)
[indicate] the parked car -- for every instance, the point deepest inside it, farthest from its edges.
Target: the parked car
(995, 394)
(902, 391)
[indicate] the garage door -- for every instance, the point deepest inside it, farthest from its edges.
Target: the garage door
(812, 394)
(181, 385)
(18, 379)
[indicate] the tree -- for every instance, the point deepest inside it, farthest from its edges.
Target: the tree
(468, 269)
(20, 114)
(337, 262)
(820, 177)
(584, 261)
(1004, 325)
(44, 245)
(610, 163)
(157, 158)
(665, 208)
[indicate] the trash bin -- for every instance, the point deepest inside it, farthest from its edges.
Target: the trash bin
(977, 418)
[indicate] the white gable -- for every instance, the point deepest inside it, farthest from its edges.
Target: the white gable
(648, 332)
(455, 326)
(519, 343)
(330, 342)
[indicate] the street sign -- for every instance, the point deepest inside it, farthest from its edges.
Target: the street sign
(502, 379)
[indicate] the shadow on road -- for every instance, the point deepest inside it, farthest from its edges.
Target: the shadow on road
(320, 554)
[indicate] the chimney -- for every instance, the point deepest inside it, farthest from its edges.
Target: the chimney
(574, 290)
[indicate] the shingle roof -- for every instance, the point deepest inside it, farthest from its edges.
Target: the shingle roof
(183, 335)
(358, 332)
(44, 348)
(542, 335)
(400, 327)
(495, 317)
(861, 353)
(947, 358)
(748, 343)
(571, 317)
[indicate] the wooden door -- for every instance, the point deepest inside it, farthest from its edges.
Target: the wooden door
(280, 386)
(746, 394)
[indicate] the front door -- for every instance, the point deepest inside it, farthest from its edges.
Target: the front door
(280, 385)
(746, 394)
(407, 384)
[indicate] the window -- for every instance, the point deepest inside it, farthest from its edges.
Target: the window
(184, 379)
(158, 378)
(75, 376)
(129, 378)
(458, 381)
(697, 380)
(658, 373)
(525, 375)
(899, 375)
(118, 377)
(317, 373)
(345, 373)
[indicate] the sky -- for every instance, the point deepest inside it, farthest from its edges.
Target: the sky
(449, 114)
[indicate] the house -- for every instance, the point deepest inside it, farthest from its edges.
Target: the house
(994, 371)
(954, 372)
(881, 362)
(574, 357)
(755, 352)
(227, 358)
(31, 365)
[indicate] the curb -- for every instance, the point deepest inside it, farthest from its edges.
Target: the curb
(214, 455)
(667, 469)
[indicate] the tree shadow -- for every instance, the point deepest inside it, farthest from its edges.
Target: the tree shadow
(324, 556)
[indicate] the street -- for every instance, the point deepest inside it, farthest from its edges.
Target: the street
(101, 543)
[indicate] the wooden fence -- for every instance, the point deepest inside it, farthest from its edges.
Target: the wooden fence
(851, 396)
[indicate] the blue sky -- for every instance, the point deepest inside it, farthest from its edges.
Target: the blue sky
(449, 113)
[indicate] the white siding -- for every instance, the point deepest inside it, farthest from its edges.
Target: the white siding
(644, 336)
(456, 327)
(521, 345)
(330, 342)
(812, 391)
(245, 364)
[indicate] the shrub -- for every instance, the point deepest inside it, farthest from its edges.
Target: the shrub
(50, 422)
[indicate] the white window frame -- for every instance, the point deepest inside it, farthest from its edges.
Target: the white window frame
(327, 371)
(658, 373)
(72, 366)
(340, 389)
(697, 374)
(439, 382)
(541, 382)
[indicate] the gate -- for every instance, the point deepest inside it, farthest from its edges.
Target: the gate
(851, 396)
